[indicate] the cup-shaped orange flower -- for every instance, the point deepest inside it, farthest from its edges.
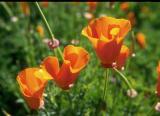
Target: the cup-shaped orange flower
(107, 35)
(158, 81)
(124, 54)
(75, 59)
(32, 82)
(141, 39)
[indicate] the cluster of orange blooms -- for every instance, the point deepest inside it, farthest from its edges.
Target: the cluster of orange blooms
(32, 81)
(105, 33)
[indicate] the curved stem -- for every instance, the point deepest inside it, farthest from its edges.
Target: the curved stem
(106, 83)
(45, 21)
(8, 10)
(124, 78)
(48, 27)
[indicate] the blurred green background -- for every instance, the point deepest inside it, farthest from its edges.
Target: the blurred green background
(21, 46)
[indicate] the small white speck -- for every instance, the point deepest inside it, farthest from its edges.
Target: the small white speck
(114, 64)
(14, 19)
(157, 107)
(133, 55)
(71, 85)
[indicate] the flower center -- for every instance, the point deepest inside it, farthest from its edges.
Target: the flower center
(114, 31)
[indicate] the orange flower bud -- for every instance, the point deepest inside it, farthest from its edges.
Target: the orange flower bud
(92, 6)
(32, 82)
(141, 39)
(124, 6)
(75, 59)
(25, 8)
(53, 43)
(40, 30)
(106, 35)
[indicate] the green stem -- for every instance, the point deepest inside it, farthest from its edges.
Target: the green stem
(106, 83)
(45, 21)
(8, 10)
(48, 27)
(123, 77)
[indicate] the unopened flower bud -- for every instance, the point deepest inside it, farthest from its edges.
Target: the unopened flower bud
(133, 54)
(53, 44)
(132, 93)
(157, 107)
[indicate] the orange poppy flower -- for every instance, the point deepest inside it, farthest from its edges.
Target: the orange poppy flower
(92, 6)
(158, 83)
(32, 82)
(124, 6)
(40, 30)
(75, 59)
(107, 35)
(141, 39)
(124, 53)
(25, 8)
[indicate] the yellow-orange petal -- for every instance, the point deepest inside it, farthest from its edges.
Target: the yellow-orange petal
(51, 65)
(100, 26)
(77, 56)
(124, 53)
(141, 39)
(87, 32)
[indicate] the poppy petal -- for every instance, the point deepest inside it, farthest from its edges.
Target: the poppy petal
(51, 65)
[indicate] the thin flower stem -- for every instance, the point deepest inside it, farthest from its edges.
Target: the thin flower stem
(123, 77)
(8, 10)
(106, 83)
(48, 27)
(45, 21)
